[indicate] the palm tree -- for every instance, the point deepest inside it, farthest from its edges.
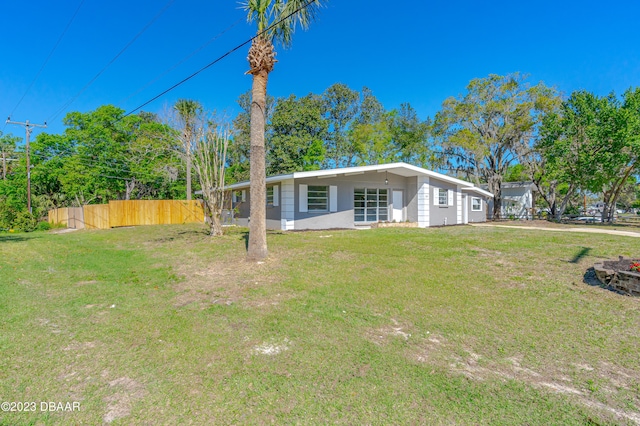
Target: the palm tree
(276, 20)
(188, 111)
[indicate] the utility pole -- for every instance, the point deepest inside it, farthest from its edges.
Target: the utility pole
(28, 127)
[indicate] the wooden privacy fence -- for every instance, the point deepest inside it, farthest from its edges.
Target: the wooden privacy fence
(129, 213)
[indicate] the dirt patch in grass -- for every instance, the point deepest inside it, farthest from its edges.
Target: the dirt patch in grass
(126, 392)
(560, 379)
(383, 335)
(226, 281)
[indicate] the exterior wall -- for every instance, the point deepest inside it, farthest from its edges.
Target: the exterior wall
(344, 216)
(480, 216)
(411, 213)
(422, 201)
(516, 203)
(419, 204)
(287, 205)
(442, 215)
(273, 211)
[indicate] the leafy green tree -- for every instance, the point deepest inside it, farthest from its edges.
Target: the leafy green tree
(482, 132)
(341, 107)
(103, 156)
(592, 143)
(276, 22)
(372, 142)
(8, 146)
(298, 133)
(238, 153)
(516, 173)
(410, 137)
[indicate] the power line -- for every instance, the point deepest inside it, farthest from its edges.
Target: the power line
(69, 102)
(229, 52)
(28, 128)
(47, 59)
(189, 56)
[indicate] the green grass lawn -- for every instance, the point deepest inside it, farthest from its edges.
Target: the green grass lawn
(457, 325)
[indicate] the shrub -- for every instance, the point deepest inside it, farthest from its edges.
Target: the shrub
(43, 226)
(24, 222)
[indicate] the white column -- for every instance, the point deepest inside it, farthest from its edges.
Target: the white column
(287, 205)
(423, 201)
(458, 205)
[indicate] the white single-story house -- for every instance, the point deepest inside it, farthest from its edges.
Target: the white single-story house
(517, 200)
(355, 197)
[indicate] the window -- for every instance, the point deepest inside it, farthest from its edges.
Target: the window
(270, 195)
(317, 198)
(370, 205)
(442, 197)
(238, 196)
(476, 204)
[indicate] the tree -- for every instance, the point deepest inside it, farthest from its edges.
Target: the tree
(482, 132)
(240, 145)
(276, 21)
(372, 142)
(209, 162)
(341, 106)
(410, 137)
(298, 131)
(103, 156)
(8, 144)
(592, 144)
(188, 111)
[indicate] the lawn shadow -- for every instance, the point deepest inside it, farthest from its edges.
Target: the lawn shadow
(584, 251)
(16, 238)
(592, 280)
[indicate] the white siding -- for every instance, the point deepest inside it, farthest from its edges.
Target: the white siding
(303, 206)
(459, 205)
(276, 198)
(288, 205)
(423, 201)
(333, 198)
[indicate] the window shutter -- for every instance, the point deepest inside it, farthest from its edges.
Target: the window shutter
(244, 195)
(333, 198)
(436, 196)
(276, 197)
(302, 195)
(234, 197)
(449, 197)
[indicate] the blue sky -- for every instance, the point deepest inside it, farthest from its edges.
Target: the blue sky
(418, 51)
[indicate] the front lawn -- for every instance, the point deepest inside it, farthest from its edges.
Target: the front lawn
(456, 325)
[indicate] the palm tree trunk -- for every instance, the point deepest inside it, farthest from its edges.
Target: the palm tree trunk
(257, 247)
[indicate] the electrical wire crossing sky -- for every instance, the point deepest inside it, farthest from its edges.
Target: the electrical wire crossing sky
(77, 55)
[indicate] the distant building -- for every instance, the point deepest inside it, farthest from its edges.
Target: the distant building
(517, 200)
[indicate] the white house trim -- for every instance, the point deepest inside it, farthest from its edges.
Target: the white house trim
(400, 169)
(458, 205)
(287, 209)
(423, 201)
(333, 198)
(303, 191)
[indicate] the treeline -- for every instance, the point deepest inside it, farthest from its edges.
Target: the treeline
(502, 128)
(101, 156)
(338, 128)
